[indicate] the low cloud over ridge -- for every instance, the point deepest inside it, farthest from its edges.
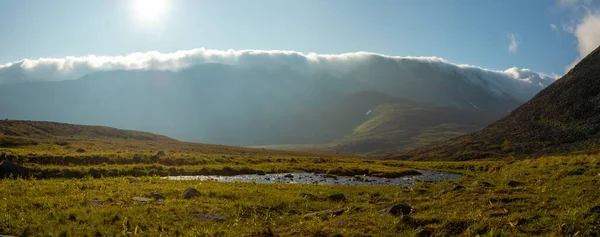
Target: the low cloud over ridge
(519, 83)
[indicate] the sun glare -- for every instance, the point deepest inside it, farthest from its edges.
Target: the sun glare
(149, 10)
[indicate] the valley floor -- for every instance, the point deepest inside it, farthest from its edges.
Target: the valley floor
(551, 196)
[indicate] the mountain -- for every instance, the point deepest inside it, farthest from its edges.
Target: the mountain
(384, 124)
(257, 105)
(564, 117)
(40, 129)
(45, 138)
(402, 125)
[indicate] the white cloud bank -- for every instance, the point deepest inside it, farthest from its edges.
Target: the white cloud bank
(584, 26)
(520, 83)
(587, 32)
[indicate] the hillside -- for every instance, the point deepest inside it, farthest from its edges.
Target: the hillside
(564, 117)
(42, 129)
(405, 125)
(246, 105)
(40, 138)
(395, 124)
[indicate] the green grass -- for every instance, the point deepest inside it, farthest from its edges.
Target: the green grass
(556, 195)
(556, 198)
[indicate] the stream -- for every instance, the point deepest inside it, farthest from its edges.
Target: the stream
(325, 179)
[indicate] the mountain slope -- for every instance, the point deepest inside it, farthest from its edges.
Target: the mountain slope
(236, 105)
(405, 125)
(61, 139)
(381, 124)
(41, 129)
(564, 117)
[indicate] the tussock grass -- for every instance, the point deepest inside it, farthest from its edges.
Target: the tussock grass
(89, 193)
(556, 197)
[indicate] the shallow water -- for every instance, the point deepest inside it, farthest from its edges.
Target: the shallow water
(323, 179)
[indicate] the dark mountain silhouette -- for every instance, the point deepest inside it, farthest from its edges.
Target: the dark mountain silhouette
(564, 117)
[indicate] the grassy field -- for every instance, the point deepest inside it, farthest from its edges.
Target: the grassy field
(555, 196)
(106, 186)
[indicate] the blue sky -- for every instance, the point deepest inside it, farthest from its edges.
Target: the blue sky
(470, 32)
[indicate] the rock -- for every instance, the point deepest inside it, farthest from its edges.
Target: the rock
(260, 172)
(293, 160)
(289, 176)
(310, 197)
(160, 153)
(338, 197)
(80, 150)
(397, 209)
(191, 193)
(208, 217)
(9, 169)
(452, 189)
(141, 199)
(157, 196)
(482, 184)
(96, 203)
(159, 202)
(514, 183)
(330, 212)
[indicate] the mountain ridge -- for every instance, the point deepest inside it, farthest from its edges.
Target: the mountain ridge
(235, 105)
(562, 118)
(47, 129)
(48, 138)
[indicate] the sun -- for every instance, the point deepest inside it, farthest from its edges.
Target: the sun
(149, 10)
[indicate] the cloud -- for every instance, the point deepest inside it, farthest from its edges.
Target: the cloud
(554, 28)
(568, 2)
(568, 28)
(514, 45)
(573, 4)
(587, 32)
(519, 83)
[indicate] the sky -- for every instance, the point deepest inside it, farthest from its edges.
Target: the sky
(544, 36)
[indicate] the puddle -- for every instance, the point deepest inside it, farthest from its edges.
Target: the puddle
(323, 179)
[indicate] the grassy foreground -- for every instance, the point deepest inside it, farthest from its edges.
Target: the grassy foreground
(98, 181)
(551, 196)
